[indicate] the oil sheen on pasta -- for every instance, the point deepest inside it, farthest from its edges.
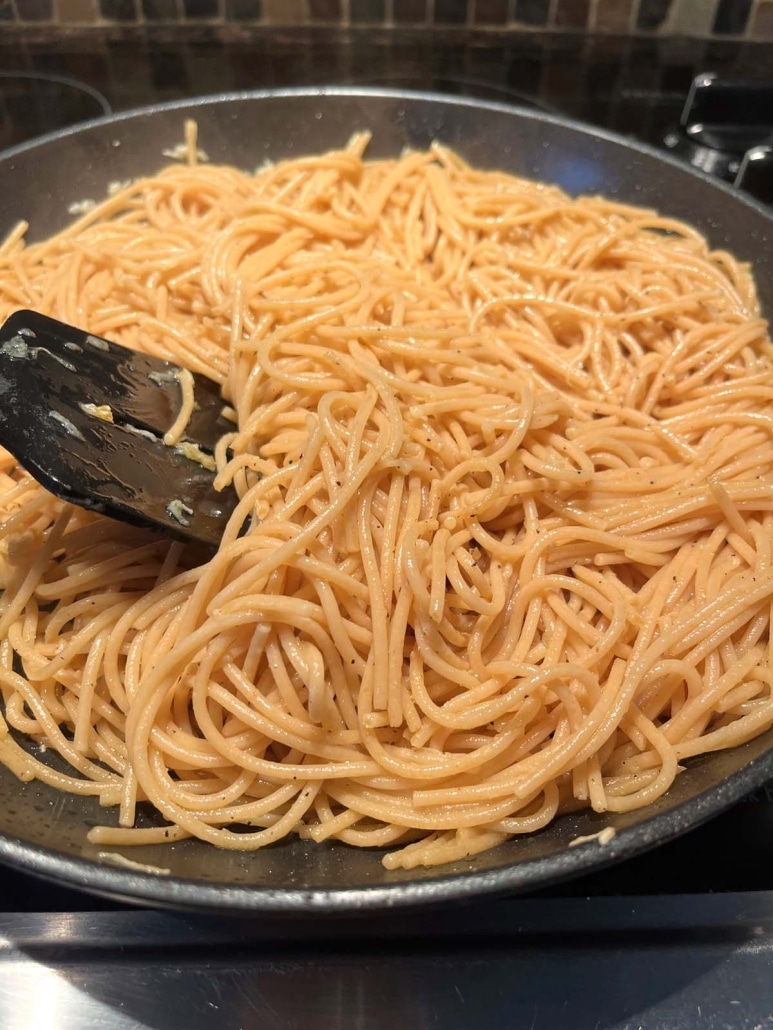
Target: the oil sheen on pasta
(508, 458)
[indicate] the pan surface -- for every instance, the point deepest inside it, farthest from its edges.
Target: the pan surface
(44, 832)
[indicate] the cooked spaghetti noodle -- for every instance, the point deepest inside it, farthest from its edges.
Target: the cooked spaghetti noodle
(508, 462)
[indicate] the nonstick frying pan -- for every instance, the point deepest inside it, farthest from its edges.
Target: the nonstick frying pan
(44, 832)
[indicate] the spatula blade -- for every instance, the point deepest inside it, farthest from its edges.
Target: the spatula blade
(49, 371)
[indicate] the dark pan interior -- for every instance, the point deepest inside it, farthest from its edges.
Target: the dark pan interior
(44, 831)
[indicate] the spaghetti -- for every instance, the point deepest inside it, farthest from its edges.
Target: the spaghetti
(508, 459)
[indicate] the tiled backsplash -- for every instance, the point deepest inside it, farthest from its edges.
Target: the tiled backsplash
(750, 19)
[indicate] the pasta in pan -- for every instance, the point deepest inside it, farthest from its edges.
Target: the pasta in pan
(507, 458)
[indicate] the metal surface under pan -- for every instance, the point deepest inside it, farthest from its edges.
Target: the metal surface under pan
(43, 831)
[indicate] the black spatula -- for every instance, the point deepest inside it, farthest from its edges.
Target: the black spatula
(59, 384)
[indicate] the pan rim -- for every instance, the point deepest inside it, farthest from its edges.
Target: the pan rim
(526, 113)
(179, 892)
(518, 877)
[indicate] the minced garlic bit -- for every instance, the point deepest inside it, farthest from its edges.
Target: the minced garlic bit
(145, 433)
(179, 152)
(193, 452)
(603, 837)
(161, 378)
(17, 348)
(97, 342)
(118, 186)
(69, 427)
(187, 150)
(113, 858)
(81, 207)
(101, 411)
(178, 509)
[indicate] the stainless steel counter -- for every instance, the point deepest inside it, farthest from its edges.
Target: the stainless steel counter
(541, 963)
